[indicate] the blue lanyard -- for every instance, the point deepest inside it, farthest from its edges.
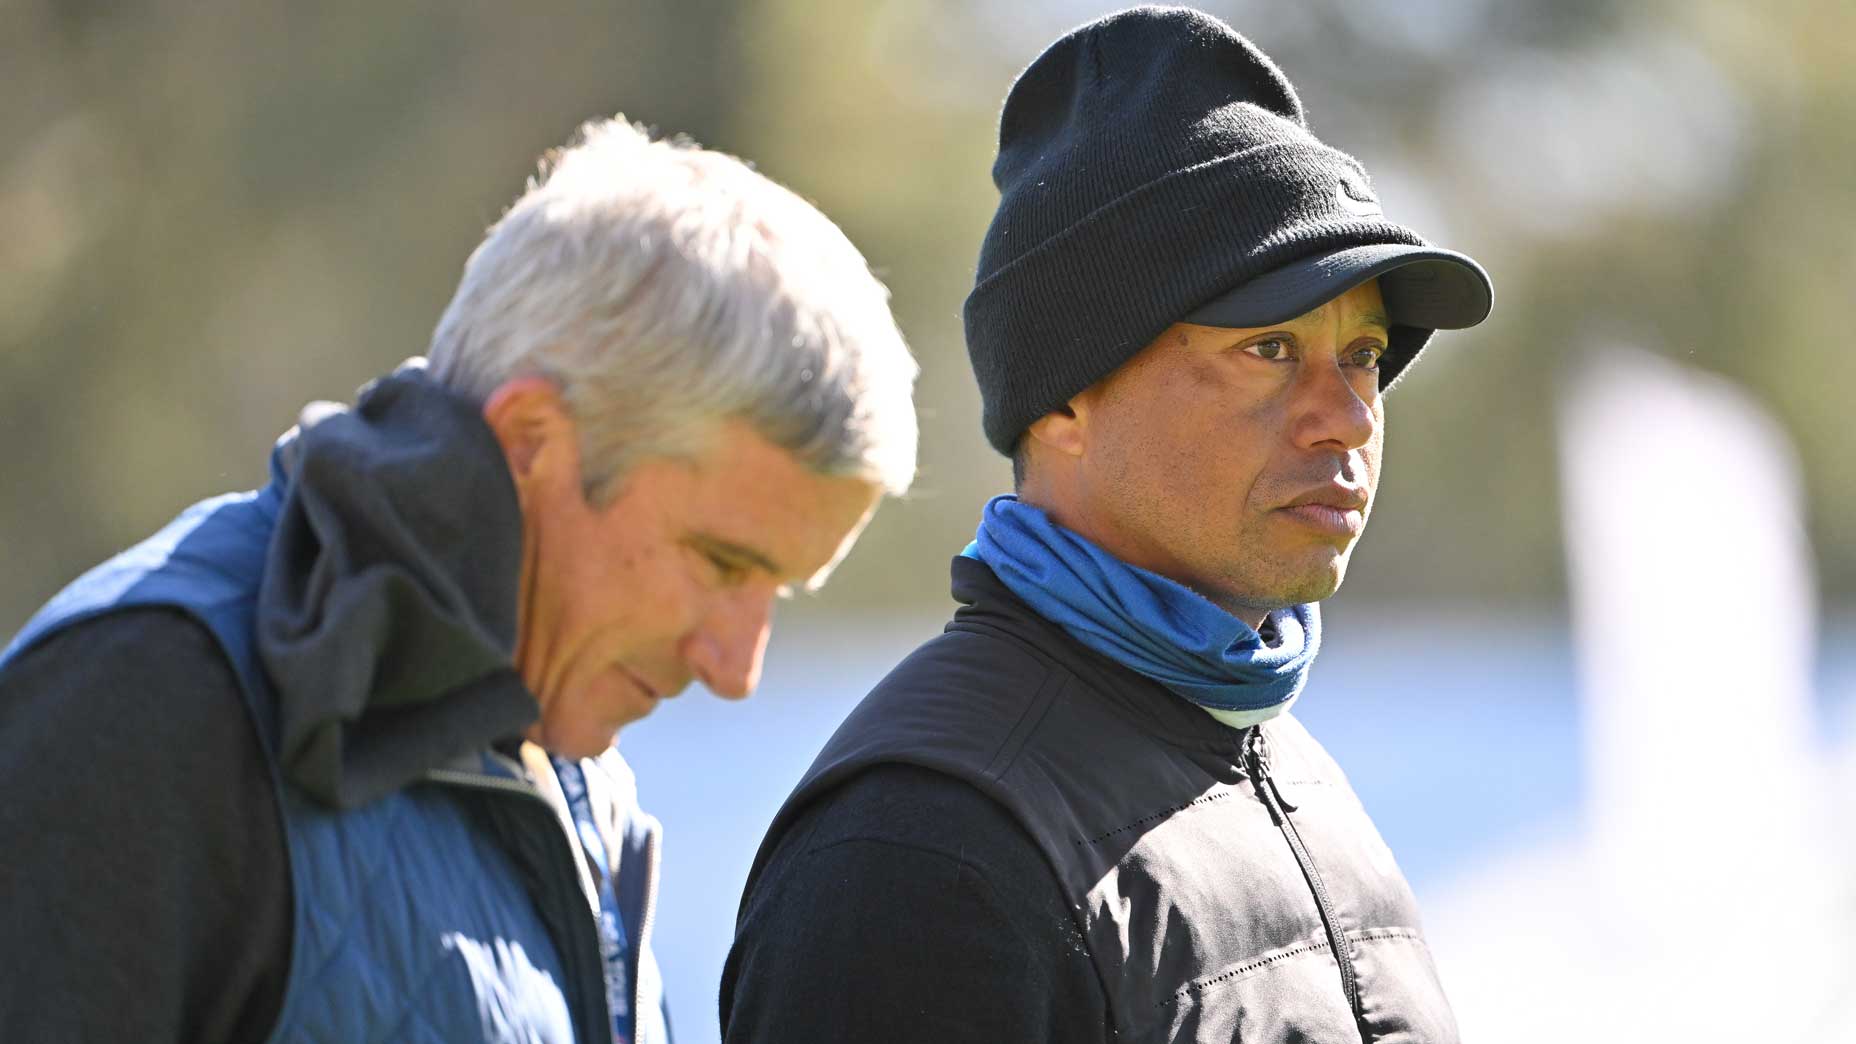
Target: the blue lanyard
(612, 941)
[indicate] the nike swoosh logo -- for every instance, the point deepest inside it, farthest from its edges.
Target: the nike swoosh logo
(1357, 200)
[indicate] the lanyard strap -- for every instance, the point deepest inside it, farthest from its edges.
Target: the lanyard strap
(612, 941)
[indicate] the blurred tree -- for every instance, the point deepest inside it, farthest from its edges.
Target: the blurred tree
(214, 211)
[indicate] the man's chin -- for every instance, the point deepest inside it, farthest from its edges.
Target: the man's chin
(586, 719)
(576, 741)
(1313, 584)
(1320, 588)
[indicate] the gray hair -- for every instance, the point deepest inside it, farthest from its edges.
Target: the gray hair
(666, 288)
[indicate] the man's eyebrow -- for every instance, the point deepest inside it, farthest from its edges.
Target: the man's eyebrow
(1367, 317)
(739, 552)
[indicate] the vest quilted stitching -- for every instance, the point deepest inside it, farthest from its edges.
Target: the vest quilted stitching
(392, 943)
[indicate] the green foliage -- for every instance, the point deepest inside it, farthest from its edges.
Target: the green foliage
(216, 211)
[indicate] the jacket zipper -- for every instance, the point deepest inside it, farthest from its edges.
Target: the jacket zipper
(586, 937)
(1256, 754)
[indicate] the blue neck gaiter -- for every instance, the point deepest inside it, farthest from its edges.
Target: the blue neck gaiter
(1146, 622)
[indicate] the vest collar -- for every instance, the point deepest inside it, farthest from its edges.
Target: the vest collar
(986, 603)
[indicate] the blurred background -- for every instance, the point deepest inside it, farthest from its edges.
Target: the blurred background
(1594, 669)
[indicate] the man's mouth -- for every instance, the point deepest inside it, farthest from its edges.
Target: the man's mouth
(1336, 510)
(653, 691)
(1332, 495)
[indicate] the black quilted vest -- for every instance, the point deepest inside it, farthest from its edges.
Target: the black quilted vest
(1227, 882)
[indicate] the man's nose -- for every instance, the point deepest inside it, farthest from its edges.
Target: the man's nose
(726, 648)
(1331, 410)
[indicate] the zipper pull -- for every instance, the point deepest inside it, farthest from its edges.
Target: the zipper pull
(1257, 755)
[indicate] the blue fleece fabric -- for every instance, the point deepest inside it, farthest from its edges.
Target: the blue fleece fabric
(1143, 620)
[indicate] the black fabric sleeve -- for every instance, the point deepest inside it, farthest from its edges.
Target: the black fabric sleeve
(142, 861)
(908, 907)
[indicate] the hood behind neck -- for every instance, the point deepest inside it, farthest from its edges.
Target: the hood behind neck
(386, 619)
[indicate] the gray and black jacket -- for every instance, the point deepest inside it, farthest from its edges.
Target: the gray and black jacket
(1013, 837)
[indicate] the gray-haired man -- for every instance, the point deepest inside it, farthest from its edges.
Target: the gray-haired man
(332, 760)
(1083, 812)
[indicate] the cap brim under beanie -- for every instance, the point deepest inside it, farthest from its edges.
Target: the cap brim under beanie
(1423, 286)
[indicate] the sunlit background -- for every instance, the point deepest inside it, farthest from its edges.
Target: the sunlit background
(1593, 670)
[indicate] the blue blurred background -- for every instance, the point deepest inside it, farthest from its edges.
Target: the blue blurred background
(215, 211)
(1476, 777)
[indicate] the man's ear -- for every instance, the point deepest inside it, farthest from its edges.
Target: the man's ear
(531, 422)
(1063, 429)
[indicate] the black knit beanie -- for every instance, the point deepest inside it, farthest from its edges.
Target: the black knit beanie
(1150, 162)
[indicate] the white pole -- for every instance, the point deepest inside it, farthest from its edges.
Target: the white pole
(1694, 616)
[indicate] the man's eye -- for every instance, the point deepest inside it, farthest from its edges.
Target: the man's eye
(728, 572)
(1367, 357)
(1270, 349)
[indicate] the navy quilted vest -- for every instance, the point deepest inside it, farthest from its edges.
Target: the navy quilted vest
(412, 921)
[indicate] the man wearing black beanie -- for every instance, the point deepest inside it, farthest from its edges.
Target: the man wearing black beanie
(1083, 812)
